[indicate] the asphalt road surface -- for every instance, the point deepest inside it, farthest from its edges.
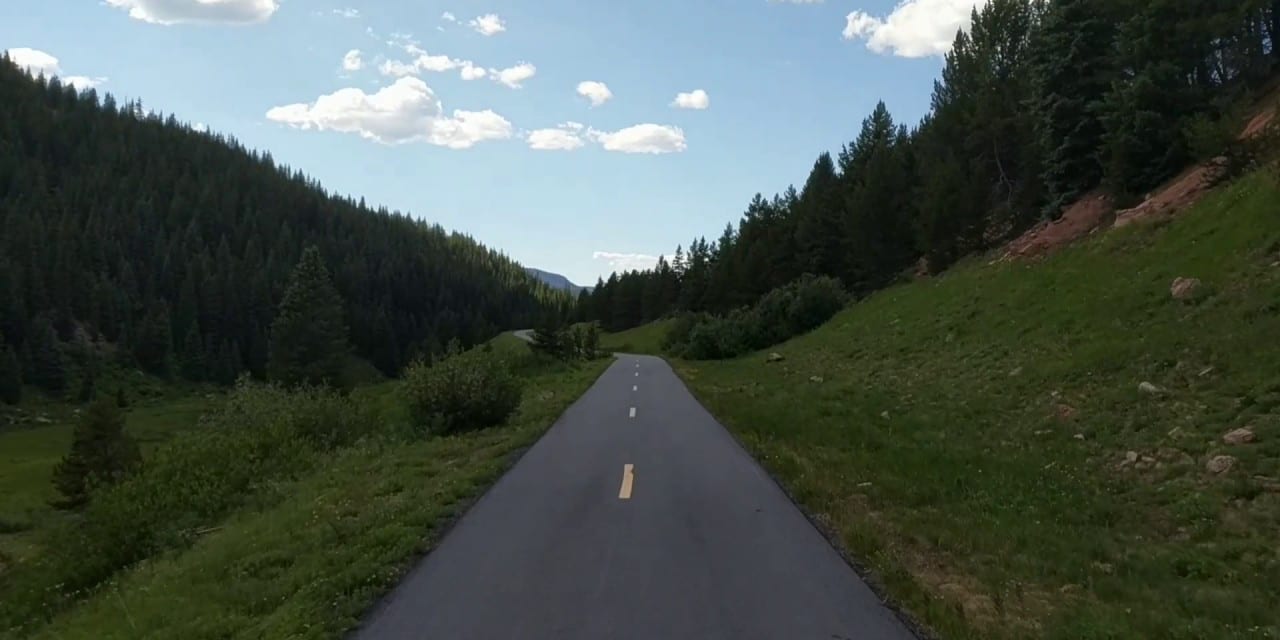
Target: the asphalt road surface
(637, 516)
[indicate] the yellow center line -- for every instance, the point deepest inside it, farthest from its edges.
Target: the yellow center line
(628, 477)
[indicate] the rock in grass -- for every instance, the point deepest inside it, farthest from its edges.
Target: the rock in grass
(816, 379)
(1147, 387)
(775, 357)
(1220, 464)
(1184, 288)
(1239, 436)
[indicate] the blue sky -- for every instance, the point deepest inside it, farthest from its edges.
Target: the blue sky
(519, 153)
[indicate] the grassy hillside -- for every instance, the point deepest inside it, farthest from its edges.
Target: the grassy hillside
(309, 550)
(985, 443)
(642, 339)
(35, 436)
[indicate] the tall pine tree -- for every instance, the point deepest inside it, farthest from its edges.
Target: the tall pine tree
(309, 335)
(101, 454)
(44, 365)
(10, 375)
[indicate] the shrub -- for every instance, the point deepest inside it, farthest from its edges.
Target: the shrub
(817, 299)
(781, 314)
(262, 435)
(677, 335)
(462, 392)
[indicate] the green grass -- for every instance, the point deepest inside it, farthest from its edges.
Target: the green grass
(962, 436)
(28, 455)
(643, 339)
(305, 558)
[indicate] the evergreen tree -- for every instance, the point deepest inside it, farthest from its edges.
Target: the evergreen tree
(44, 367)
(101, 454)
(194, 364)
(819, 220)
(553, 338)
(10, 375)
(1072, 76)
(309, 335)
(88, 385)
(153, 343)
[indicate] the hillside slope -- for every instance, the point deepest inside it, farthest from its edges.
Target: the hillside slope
(1033, 451)
(176, 244)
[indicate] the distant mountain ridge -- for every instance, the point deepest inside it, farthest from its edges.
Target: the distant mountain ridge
(556, 281)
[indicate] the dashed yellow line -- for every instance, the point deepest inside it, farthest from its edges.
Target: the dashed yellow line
(628, 477)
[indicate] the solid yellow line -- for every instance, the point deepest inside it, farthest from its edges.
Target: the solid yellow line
(628, 477)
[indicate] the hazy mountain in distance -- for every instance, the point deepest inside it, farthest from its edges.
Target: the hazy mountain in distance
(555, 280)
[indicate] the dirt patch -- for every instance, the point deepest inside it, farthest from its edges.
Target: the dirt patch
(1176, 195)
(1259, 123)
(1095, 210)
(1089, 213)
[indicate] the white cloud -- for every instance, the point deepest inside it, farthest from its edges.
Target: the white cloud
(436, 63)
(696, 99)
(397, 68)
(514, 76)
(597, 92)
(448, 17)
(471, 72)
(915, 28)
(488, 24)
(37, 62)
(352, 61)
(641, 138)
(566, 137)
(83, 82)
(406, 111)
(347, 13)
(34, 61)
(200, 126)
(626, 261)
(198, 11)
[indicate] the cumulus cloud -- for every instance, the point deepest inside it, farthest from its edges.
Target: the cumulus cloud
(626, 261)
(514, 77)
(37, 62)
(406, 111)
(352, 61)
(471, 72)
(168, 12)
(347, 13)
(915, 28)
(696, 99)
(34, 61)
(488, 24)
(424, 62)
(597, 92)
(641, 138)
(448, 17)
(565, 137)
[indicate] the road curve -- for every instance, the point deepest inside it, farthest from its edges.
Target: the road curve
(637, 516)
